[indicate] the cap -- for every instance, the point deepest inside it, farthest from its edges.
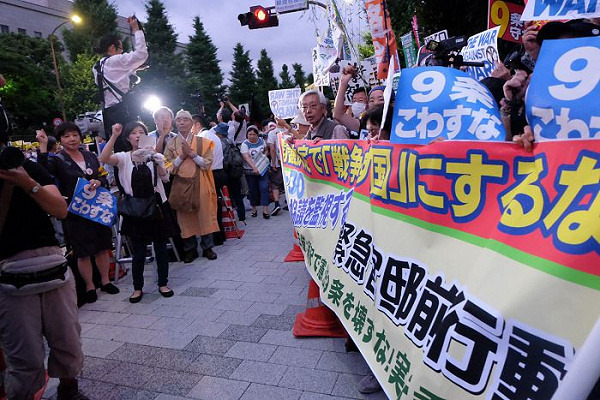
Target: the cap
(222, 128)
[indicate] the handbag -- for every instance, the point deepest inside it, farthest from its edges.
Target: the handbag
(185, 193)
(30, 271)
(262, 163)
(146, 207)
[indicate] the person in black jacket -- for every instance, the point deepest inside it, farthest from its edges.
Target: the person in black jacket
(87, 238)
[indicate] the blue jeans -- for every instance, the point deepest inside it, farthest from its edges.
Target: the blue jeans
(259, 189)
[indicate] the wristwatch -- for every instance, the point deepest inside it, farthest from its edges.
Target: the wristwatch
(35, 189)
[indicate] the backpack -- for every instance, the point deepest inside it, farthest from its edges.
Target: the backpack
(233, 162)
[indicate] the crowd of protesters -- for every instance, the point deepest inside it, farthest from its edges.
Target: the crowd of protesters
(185, 170)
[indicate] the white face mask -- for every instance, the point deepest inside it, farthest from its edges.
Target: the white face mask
(357, 109)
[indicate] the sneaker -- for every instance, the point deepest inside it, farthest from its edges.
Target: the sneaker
(70, 392)
(275, 210)
(110, 288)
(369, 384)
(91, 296)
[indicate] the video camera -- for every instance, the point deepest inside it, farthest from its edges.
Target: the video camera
(222, 97)
(519, 59)
(447, 53)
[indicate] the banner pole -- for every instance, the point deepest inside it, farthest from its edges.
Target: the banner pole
(584, 371)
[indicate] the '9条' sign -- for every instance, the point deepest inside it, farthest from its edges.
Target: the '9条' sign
(434, 102)
(562, 100)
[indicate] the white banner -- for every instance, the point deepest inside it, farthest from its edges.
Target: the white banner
(560, 9)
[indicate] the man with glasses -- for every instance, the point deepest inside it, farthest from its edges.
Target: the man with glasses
(113, 74)
(313, 105)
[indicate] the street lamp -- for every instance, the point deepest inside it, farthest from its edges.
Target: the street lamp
(76, 20)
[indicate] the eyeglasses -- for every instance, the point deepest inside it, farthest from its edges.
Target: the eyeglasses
(312, 106)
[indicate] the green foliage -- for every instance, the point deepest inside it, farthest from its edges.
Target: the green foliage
(299, 76)
(80, 90)
(243, 81)
(265, 81)
(205, 74)
(166, 77)
(366, 48)
(98, 18)
(286, 80)
(30, 93)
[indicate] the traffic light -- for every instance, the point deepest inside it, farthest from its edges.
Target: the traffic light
(259, 17)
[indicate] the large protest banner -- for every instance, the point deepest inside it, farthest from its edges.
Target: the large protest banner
(552, 10)
(507, 15)
(384, 40)
(462, 270)
(482, 47)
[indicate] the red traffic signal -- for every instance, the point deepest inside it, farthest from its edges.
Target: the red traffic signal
(259, 17)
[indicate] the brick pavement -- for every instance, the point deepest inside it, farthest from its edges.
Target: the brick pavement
(226, 334)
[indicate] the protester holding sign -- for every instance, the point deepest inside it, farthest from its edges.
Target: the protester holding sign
(352, 122)
(87, 238)
(256, 166)
(138, 177)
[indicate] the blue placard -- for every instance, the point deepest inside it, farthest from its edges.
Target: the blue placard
(99, 205)
(434, 102)
(562, 101)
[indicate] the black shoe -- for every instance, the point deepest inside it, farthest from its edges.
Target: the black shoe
(110, 288)
(275, 210)
(210, 254)
(168, 293)
(254, 214)
(266, 216)
(190, 256)
(70, 392)
(91, 296)
(136, 299)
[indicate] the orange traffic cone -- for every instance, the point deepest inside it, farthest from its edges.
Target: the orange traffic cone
(228, 217)
(296, 253)
(317, 320)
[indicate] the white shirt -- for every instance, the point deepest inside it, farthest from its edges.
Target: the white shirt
(233, 127)
(125, 166)
(217, 149)
(156, 134)
(119, 67)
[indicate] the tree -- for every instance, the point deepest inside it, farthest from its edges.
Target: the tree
(80, 90)
(243, 81)
(98, 18)
(366, 48)
(30, 92)
(265, 81)
(286, 80)
(205, 74)
(299, 76)
(166, 77)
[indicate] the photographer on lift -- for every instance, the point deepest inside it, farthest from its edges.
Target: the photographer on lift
(113, 73)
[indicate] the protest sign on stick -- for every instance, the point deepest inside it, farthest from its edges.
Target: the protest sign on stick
(284, 102)
(482, 47)
(506, 15)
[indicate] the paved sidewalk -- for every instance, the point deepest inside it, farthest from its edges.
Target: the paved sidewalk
(226, 334)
